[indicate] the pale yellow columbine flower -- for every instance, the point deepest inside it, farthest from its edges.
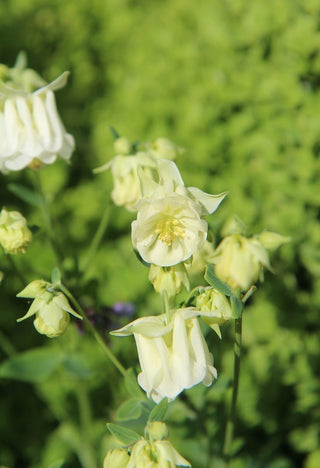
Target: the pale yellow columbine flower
(157, 454)
(169, 227)
(172, 279)
(30, 127)
(168, 230)
(15, 236)
(173, 355)
(239, 261)
(116, 458)
(51, 308)
(214, 307)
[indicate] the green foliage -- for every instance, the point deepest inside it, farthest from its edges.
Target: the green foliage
(235, 83)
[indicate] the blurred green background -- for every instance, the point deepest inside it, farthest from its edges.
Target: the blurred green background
(236, 83)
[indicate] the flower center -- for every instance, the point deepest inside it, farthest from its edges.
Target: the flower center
(168, 229)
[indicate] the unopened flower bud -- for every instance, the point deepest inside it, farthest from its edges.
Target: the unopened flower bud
(51, 308)
(215, 308)
(15, 236)
(158, 430)
(122, 146)
(172, 279)
(164, 148)
(239, 261)
(116, 458)
(160, 453)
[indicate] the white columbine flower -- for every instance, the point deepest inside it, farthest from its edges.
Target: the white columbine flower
(173, 356)
(30, 127)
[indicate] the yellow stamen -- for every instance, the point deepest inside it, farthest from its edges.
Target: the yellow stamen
(168, 229)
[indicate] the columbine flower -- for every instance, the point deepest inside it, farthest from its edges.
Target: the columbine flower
(15, 236)
(168, 230)
(172, 279)
(239, 261)
(173, 356)
(157, 454)
(214, 307)
(30, 127)
(51, 308)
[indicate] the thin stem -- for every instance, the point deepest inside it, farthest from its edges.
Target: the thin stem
(97, 239)
(85, 452)
(6, 345)
(15, 269)
(236, 373)
(94, 332)
(47, 219)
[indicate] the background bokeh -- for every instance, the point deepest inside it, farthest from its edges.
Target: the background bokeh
(236, 83)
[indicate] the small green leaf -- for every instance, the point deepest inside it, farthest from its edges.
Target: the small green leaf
(131, 384)
(159, 411)
(214, 281)
(77, 366)
(125, 435)
(236, 306)
(130, 409)
(25, 194)
(56, 464)
(55, 276)
(32, 366)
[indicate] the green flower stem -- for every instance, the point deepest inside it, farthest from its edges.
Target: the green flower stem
(6, 345)
(236, 373)
(94, 332)
(97, 239)
(86, 452)
(15, 270)
(47, 219)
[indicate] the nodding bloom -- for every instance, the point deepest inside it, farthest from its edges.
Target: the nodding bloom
(173, 354)
(51, 308)
(239, 261)
(157, 454)
(15, 236)
(214, 307)
(31, 131)
(172, 279)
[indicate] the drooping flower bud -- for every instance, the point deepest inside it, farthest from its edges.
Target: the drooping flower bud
(158, 430)
(239, 261)
(15, 236)
(172, 279)
(51, 308)
(214, 307)
(158, 454)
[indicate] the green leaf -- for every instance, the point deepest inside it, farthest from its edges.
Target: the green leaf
(77, 366)
(130, 381)
(25, 194)
(130, 409)
(125, 435)
(159, 411)
(236, 306)
(214, 281)
(32, 366)
(56, 464)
